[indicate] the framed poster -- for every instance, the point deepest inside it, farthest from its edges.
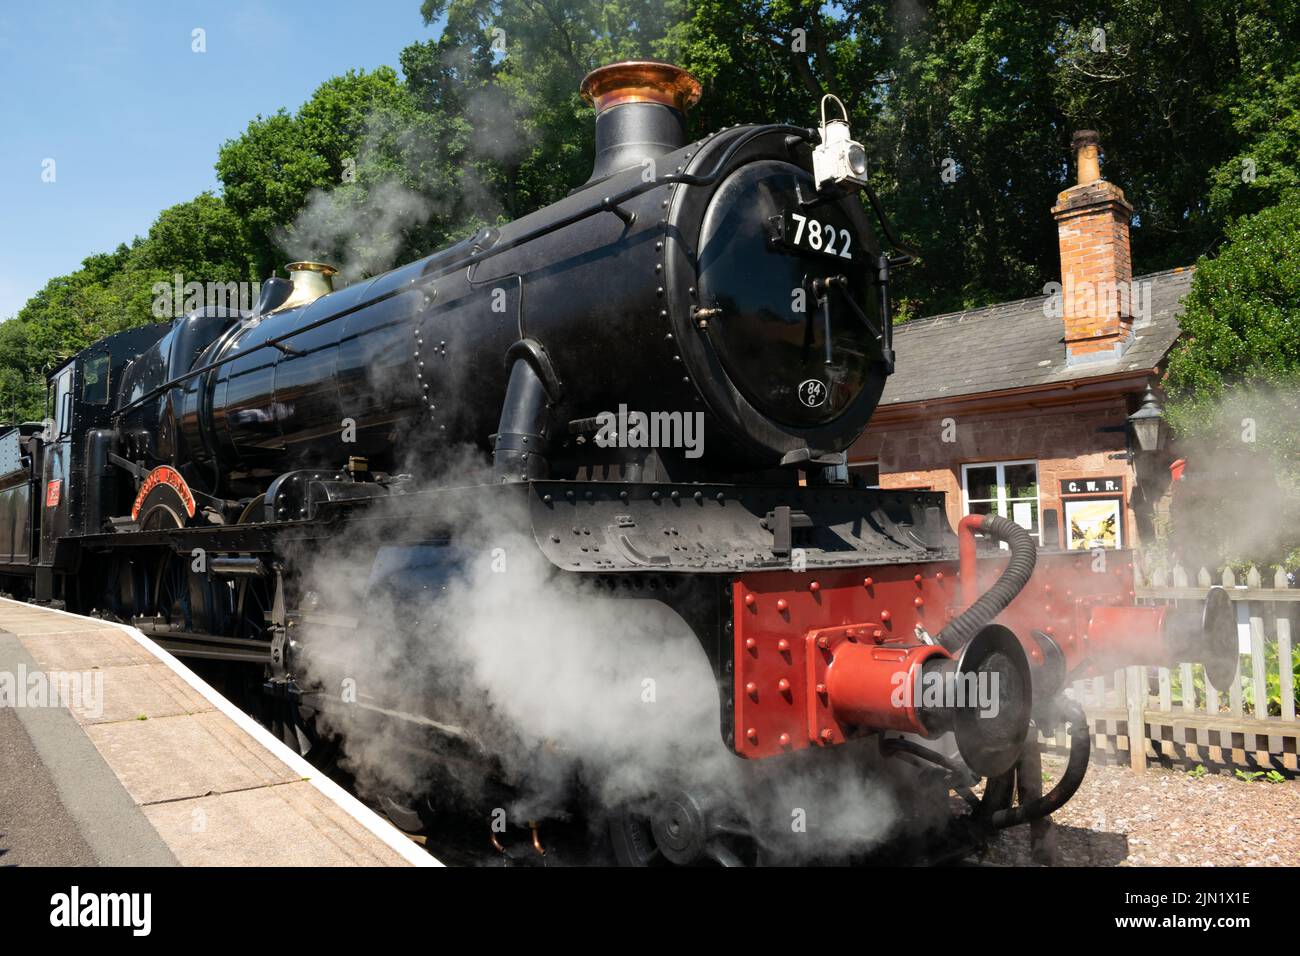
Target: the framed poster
(1094, 523)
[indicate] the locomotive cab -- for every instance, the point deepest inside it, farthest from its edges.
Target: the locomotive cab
(72, 486)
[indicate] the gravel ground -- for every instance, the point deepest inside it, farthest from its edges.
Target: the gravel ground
(1166, 818)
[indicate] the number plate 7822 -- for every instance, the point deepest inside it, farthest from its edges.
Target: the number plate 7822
(806, 233)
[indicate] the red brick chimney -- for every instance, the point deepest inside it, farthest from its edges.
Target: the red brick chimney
(1092, 220)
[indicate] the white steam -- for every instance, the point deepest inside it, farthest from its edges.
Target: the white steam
(573, 696)
(360, 231)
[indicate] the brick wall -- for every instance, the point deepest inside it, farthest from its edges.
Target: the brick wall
(1063, 440)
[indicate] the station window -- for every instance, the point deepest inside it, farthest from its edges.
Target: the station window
(1006, 488)
(94, 380)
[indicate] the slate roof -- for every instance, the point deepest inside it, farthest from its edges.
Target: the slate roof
(1018, 345)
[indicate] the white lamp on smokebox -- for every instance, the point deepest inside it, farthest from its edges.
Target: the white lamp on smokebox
(838, 160)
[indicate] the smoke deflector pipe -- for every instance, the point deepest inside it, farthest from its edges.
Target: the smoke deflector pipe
(519, 448)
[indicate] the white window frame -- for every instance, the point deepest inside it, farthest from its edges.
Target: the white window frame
(1003, 508)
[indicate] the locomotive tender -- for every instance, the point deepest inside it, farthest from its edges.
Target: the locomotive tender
(736, 279)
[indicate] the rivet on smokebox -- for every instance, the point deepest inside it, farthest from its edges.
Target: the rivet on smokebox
(749, 600)
(823, 642)
(868, 582)
(827, 734)
(783, 686)
(918, 601)
(821, 690)
(885, 615)
(783, 645)
(938, 575)
(752, 690)
(782, 604)
(784, 740)
(752, 733)
(814, 587)
(750, 643)
(917, 578)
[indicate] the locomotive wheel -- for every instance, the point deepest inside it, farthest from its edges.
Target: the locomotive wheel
(678, 832)
(172, 595)
(126, 589)
(162, 509)
(252, 597)
(296, 725)
(293, 722)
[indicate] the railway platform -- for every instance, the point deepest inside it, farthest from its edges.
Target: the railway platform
(113, 752)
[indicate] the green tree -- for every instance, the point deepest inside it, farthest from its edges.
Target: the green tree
(1233, 386)
(200, 239)
(1265, 167)
(268, 172)
(1242, 333)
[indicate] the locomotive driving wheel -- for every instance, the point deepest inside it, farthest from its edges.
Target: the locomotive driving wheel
(295, 722)
(252, 596)
(677, 830)
(176, 597)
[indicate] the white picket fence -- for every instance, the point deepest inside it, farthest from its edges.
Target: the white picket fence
(1179, 710)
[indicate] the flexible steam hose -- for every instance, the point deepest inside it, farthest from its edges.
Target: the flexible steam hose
(1080, 750)
(1024, 554)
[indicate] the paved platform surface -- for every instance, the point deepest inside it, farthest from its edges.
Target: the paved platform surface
(114, 753)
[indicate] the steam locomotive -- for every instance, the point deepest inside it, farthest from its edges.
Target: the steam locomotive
(188, 470)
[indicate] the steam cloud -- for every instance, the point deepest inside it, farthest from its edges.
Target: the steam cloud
(1240, 498)
(576, 699)
(362, 232)
(363, 226)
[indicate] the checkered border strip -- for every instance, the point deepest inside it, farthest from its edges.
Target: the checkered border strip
(1176, 743)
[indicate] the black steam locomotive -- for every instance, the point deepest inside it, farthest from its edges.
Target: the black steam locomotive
(189, 470)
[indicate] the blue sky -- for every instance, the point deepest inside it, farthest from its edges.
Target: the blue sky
(133, 118)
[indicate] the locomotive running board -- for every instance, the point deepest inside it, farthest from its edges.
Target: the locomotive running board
(620, 526)
(608, 527)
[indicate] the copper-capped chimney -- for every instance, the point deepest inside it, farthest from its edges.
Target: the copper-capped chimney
(640, 112)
